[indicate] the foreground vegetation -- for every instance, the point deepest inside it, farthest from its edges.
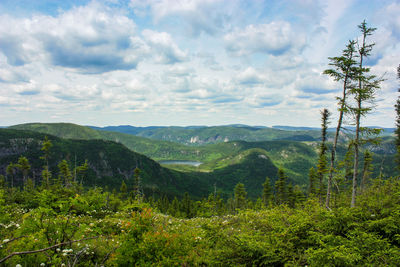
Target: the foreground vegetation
(58, 225)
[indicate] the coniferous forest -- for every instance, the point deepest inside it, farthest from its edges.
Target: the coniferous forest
(95, 202)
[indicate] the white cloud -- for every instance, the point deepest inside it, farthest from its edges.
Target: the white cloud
(186, 62)
(390, 14)
(196, 16)
(91, 38)
(275, 38)
(166, 51)
(250, 76)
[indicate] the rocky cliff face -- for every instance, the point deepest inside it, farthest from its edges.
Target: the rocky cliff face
(210, 140)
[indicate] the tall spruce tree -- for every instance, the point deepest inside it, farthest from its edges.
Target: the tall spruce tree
(46, 150)
(322, 160)
(344, 70)
(123, 190)
(187, 206)
(65, 173)
(312, 176)
(240, 195)
(137, 183)
(24, 166)
(10, 171)
(397, 131)
(364, 96)
(291, 196)
(367, 170)
(281, 187)
(267, 192)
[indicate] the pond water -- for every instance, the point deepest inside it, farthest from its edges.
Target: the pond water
(181, 162)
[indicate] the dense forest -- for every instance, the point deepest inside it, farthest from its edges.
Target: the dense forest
(91, 201)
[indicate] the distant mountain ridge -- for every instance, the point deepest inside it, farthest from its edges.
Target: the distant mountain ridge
(200, 135)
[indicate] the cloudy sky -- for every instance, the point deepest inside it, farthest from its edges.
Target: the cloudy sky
(186, 62)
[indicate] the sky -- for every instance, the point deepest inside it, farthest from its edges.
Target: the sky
(187, 62)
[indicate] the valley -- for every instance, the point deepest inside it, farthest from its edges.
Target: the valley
(223, 163)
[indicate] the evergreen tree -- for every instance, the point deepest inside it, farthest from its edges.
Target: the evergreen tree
(10, 172)
(397, 131)
(46, 149)
(163, 204)
(240, 195)
(2, 181)
(298, 193)
(29, 186)
(281, 187)
(267, 192)
(322, 160)
(46, 174)
(367, 170)
(344, 71)
(65, 173)
(24, 166)
(291, 196)
(46, 177)
(363, 93)
(123, 189)
(137, 183)
(312, 176)
(80, 171)
(174, 208)
(187, 205)
(230, 205)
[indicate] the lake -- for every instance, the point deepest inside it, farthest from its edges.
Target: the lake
(181, 162)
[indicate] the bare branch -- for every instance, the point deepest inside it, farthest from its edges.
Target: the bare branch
(44, 249)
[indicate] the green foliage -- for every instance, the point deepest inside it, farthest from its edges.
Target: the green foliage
(24, 166)
(312, 180)
(240, 195)
(367, 169)
(65, 175)
(322, 165)
(281, 189)
(98, 228)
(267, 193)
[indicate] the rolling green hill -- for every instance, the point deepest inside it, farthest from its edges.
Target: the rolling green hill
(111, 162)
(63, 130)
(294, 156)
(157, 150)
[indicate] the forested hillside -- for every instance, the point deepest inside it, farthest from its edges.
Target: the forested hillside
(201, 135)
(110, 163)
(295, 157)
